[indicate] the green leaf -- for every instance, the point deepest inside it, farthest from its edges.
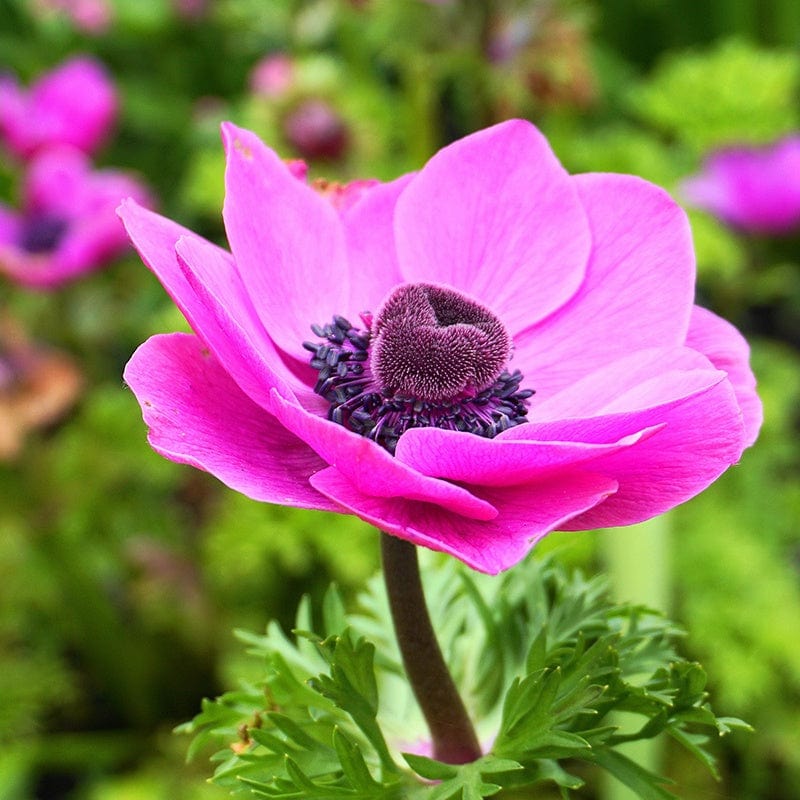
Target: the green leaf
(647, 785)
(465, 781)
(352, 686)
(562, 659)
(429, 768)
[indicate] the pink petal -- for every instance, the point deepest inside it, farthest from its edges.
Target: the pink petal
(12, 115)
(95, 236)
(496, 216)
(638, 289)
(371, 469)
(471, 459)
(642, 380)
(756, 189)
(526, 514)
(727, 349)
(220, 313)
(56, 181)
(75, 105)
(9, 225)
(677, 389)
(27, 269)
(371, 250)
(702, 431)
(287, 240)
(197, 415)
(246, 349)
(702, 437)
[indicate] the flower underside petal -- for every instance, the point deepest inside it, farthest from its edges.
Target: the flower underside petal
(526, 514)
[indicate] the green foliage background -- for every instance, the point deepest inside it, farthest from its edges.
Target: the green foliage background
(122, 575)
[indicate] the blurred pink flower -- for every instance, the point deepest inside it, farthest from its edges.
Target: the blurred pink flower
(273, 76)
(316, 131)
(756, 189)
(487, 275)
(89, 16)
(75, 104)
(67, 226)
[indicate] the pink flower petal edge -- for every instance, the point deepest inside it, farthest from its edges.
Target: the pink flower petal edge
(498, 194)
(294, 263)
(727, 350)
(526, 514)
(638, 288)
(201, 417)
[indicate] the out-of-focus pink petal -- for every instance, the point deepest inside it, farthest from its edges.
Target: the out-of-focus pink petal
(9, 225)
(288, 242)
(232, 332)
(197, 415)
(75, 105)
(496, 216)
(56, 181)
(756, 189)
(12, 114)
(471, 459)
(371, 253)
(95, 236)
(638, 289)
(62, 190)
(89, 16)
(526, 513)
(372, 469)
(727, 349)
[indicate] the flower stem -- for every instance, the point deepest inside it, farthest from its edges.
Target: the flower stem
(454, 738)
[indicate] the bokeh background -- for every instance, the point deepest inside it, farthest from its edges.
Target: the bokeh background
(122, 576)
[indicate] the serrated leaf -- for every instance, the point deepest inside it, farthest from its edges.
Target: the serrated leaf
(647, 785)
(291, 729)
(352, 686)
(353, 764)
(429, 768)
(727, 724)
(467, 781)
(693, 743)
(537, 652)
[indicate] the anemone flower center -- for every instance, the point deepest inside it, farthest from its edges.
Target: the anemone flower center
(41, 233)
(430, 357)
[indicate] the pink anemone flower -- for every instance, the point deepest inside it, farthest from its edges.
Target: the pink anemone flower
(67, 226)
(468, 357)
(755, 189)
(75, 104)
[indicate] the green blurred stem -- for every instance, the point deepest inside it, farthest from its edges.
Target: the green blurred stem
(454, 738)
(638, 561)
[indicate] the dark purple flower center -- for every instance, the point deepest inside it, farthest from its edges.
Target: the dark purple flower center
(41, 233)
(431, 357)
